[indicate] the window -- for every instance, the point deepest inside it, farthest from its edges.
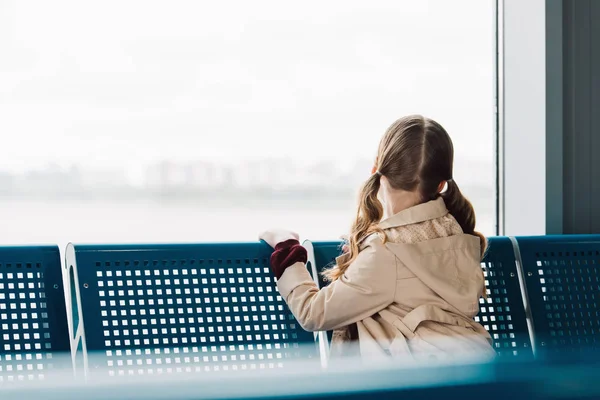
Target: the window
(137, 121)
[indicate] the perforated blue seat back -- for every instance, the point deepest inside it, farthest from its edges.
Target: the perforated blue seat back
(562, 275)
(33, 318)
(171, 308)
(502, 313)
(325, 255)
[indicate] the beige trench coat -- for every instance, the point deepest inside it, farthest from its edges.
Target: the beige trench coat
(413, 297)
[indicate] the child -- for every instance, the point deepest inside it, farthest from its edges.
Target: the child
(410, 280)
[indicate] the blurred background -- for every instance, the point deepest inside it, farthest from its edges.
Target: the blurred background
(199, 121)
(150, 121)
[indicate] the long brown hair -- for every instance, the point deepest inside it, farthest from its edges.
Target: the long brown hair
(415, 154)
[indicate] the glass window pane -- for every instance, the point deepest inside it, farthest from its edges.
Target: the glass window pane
(214, 120)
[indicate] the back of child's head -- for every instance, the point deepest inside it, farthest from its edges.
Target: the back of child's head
(415, 155)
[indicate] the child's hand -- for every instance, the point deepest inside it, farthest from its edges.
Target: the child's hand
(276, 236)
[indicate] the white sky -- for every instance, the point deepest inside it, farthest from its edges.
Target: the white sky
(112, 83)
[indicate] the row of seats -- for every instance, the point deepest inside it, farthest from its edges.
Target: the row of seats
(138, 309)
(543, 294)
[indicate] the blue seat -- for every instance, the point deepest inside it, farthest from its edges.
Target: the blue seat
(33, 318)
(323, 255)
(562, 276)
(171, 308)
(356, 381)
(502, 313)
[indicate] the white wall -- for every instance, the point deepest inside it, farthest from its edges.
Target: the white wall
(523, 111)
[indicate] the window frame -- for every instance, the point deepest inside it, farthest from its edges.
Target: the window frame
(529, 125)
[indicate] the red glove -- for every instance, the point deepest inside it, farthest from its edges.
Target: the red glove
(287, 254)
(288, 250)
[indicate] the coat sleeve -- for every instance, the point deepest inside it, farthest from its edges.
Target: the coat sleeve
(367, 286)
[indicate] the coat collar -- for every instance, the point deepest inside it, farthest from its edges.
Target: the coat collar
(420, 213)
